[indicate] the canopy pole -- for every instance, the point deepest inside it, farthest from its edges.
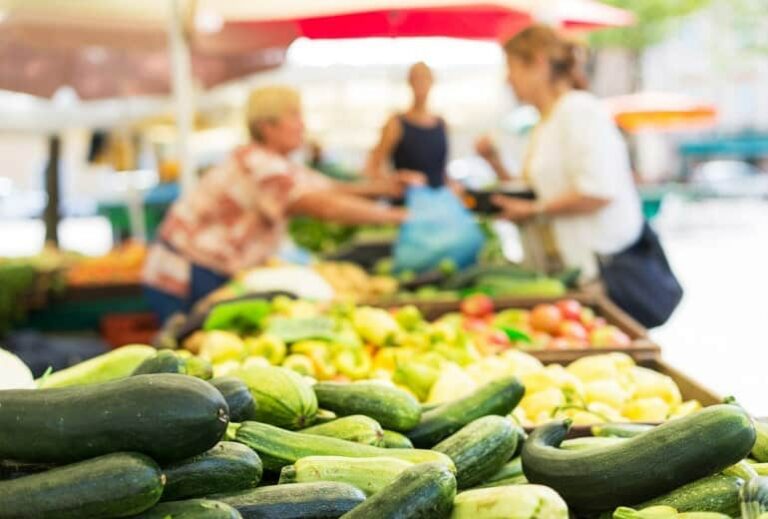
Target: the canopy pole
(51, 214)
(182, 81)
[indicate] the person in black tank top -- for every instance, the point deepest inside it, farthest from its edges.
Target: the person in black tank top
(415, 141)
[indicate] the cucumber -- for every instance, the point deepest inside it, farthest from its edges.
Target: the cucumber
(480, 449)
(191, 509)
(115, 485)
(227, 466)
(278, 447)
(368, 474)
(760, 450)
(355, 428)
(718, 493)
(395, 440)
(640, 468)
(510, 474)
(241, 404)
(116, 364)
(168, 417)
(424, 491)
(498, 398)
(590, 442)
(620, 430)
(164, 361)
(322, 500)
(283, 398)
(510, 502)
(393, 408)
(10, 469)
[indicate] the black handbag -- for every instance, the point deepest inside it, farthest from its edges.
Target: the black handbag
(640, 281)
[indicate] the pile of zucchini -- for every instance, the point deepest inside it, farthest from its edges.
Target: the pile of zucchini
(162, 443)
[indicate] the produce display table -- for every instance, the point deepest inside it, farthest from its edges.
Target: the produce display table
(83, 308)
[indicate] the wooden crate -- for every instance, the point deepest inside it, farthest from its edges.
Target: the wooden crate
(641, 350)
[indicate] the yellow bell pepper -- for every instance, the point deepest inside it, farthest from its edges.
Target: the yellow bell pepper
(649, 383)
(652, 410)
(606, 391)
(417, 377)
(462, 352)
(686, 408)
(452, 383)
(521, 363)
(444, 331)
(409, 317)
(376, 326)
(610, 414)
(217, 346)
(555, 376)
(489, 368)
(544, 401)
(320, 354)
(600, 367)
(354, 363)
(225, 368)
(271, 348)
(301, 364)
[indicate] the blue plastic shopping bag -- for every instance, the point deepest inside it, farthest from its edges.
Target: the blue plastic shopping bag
(439, 228)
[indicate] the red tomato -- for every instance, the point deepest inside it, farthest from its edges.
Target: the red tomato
(546, 318)
(570, 308)
(477, 305)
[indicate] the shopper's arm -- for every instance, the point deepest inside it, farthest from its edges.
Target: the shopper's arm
(344, 208)
(573, 204)
(487, 150)
(567, 205)
(379, 156)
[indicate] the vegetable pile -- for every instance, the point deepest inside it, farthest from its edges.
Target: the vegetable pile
(154, 436)
(445, 359)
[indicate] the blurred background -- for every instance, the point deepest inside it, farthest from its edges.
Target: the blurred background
(90, 154)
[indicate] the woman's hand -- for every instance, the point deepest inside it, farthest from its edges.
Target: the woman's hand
(515, 209)
(411, 177)
(486, 148)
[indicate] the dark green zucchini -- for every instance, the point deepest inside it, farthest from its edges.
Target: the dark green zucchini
(498, 398)
(393, 408)
(640, 468)
(241, 404)
(354, 428)
(322, 500)
(424, 491)
(164, 361)
(115, 485)
(395, 440)
(480, 449)
(191, 509)
(228, 466)
(167, 417)
(10, 469)
(716, 493)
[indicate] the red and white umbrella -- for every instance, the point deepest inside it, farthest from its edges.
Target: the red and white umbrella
(229, 24)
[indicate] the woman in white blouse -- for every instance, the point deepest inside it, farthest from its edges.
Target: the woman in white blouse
(577, 162)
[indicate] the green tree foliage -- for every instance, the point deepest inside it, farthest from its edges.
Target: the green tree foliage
(654, 21)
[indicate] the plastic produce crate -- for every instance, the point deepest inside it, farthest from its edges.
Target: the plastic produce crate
(121, 329)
